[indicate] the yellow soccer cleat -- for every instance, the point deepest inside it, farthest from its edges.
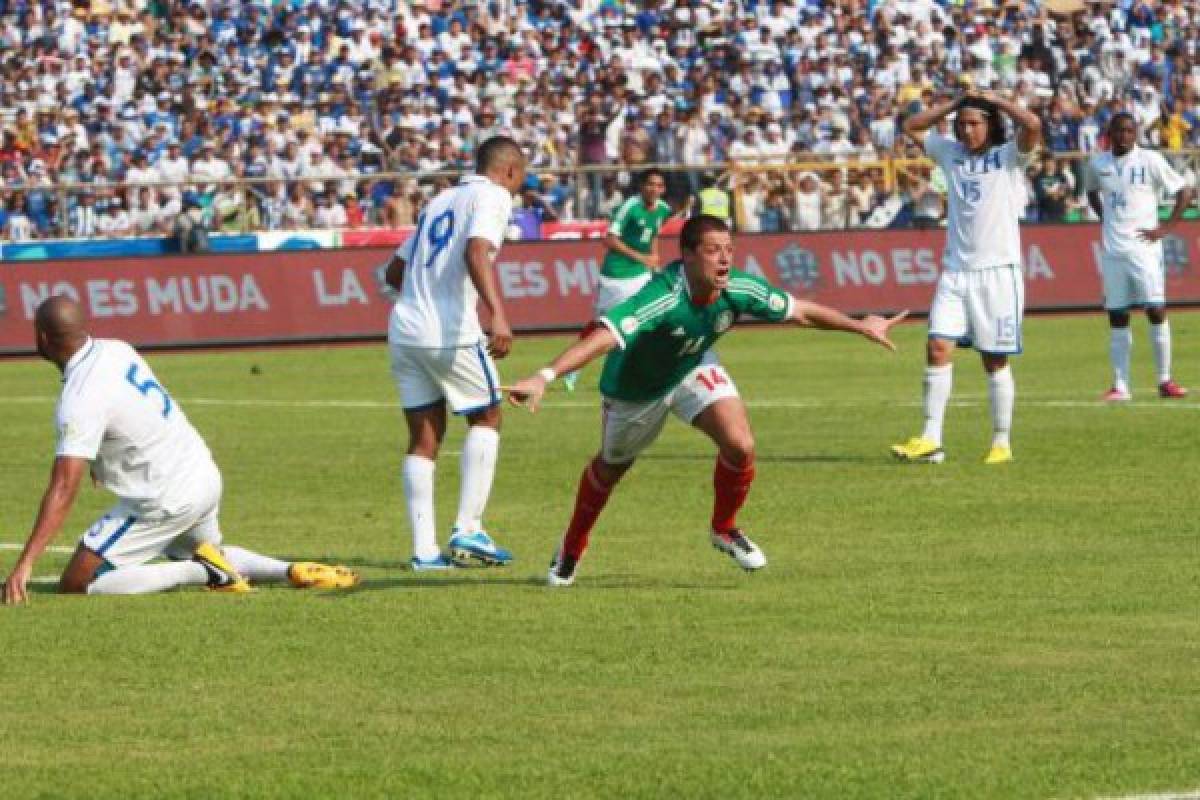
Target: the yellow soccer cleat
(310, 575)
(919, 450)
(222, 577)
(999, 454)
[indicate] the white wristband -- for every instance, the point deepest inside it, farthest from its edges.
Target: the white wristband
(547, 374)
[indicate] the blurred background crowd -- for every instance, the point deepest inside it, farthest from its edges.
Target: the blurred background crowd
(345, 113)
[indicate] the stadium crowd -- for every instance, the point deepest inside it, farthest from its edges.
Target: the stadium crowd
(313, 99)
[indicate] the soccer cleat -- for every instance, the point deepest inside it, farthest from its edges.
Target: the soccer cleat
(477, 548)
(437, 563)
(571, 380)
(310, 575)
(222, 577)
(562, 570)
(1116, 395)
(919, 450)
(999, 454)
(735, 545)
(1171, 389)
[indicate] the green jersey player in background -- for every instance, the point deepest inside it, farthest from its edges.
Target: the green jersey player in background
(631, 249)
(658, 344)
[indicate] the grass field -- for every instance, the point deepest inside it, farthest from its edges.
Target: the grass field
(1026, 631)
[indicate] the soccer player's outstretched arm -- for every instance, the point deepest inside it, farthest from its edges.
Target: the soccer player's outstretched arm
(480, 255)
(528, 392)
(65, 478)
(808, 314)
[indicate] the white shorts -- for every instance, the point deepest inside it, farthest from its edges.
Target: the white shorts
(980, 308)
(129, 534)
(1133, 280)
(465, 377)
(613, 291)
(629, 428)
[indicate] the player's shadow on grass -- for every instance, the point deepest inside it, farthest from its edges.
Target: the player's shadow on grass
(813, 458)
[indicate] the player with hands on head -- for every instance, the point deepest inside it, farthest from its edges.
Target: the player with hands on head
(980, 296)
(437, 348)
(116, 421)
(1123, 186)
(658, 362)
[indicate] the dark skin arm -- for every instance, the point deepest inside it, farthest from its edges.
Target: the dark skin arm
(1183, 199)
(480, 257)
(65, 478)
(394, 277)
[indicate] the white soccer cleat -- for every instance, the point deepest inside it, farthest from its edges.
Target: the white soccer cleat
(737, 546)
(562, 570)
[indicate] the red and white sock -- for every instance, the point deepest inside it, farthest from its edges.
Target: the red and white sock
(589, 502)
(731, 484)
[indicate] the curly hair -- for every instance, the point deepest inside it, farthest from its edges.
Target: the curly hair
(995, 135)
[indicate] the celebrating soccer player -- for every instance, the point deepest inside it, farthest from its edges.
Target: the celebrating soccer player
(980, 297)
(437, 348)
(115, 418)
(661, 363)
(1124, 185)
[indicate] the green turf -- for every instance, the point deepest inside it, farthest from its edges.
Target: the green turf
(952, 631)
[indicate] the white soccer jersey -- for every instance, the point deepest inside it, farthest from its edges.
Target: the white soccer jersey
(114, 413)
(1129, 188)
(437, 304)
(986, 195)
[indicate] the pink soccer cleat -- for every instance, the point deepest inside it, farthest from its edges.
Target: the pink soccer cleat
(1115, 395)
(1171, 389)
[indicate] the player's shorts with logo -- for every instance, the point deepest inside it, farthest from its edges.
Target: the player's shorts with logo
(981, 308)
(465, 377)
(134, 533)
(1133, 279)
(629, 428)
(611, 291)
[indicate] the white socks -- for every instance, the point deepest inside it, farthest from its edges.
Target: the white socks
(146, 578)
(1002, 392)
(938, 383)
(255, 567)
(478, 469)
(1160, 338)
(1120, 343)
(418, 492)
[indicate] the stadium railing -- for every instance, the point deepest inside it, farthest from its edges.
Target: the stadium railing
(888, 192)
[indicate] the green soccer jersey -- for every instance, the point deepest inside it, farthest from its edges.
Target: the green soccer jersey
(662, 334)
(636, 226)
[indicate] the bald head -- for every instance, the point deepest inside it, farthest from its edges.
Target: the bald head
(61, 328)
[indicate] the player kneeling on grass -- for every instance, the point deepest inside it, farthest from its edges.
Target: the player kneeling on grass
(660, 363)
(115, 416)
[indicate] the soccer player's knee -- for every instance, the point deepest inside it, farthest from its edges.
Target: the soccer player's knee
(739, 449)
(1120, 319)
(1157, 315)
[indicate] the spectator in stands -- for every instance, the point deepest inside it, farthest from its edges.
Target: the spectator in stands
(808, 200)
(1053, 190)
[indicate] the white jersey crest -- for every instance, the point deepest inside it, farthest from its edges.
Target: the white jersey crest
(986, 195)
(437, 304)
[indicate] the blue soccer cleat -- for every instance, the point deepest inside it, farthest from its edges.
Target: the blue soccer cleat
(438, 562)
(476, 548)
